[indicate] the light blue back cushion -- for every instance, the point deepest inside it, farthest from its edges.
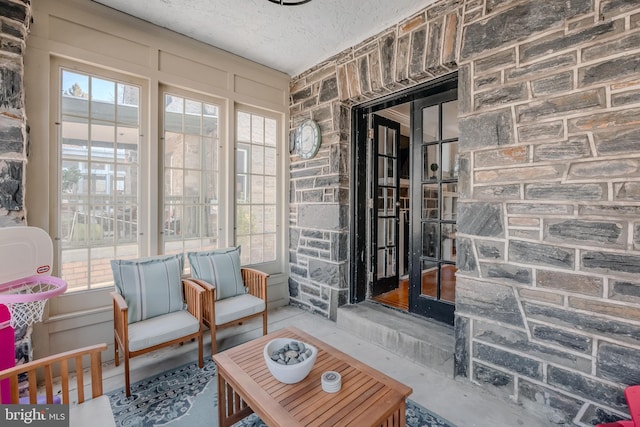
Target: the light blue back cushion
(150, 286)
(220, 267)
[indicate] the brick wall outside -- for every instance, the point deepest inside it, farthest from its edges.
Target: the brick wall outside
(77, 274)
(548, 294)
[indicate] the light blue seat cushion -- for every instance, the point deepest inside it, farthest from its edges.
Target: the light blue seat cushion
(230, 309)
(221, 268)
(150, 286)
(161, 329)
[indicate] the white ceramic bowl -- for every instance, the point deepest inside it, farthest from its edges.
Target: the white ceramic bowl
(288, 374)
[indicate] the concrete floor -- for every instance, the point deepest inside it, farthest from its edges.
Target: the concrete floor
(462, 403)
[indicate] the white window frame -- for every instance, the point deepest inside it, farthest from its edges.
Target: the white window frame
(222, 154)
(57, 66)
(151, 155)
(276, 265)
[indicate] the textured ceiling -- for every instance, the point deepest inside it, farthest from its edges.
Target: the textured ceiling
(290, 39)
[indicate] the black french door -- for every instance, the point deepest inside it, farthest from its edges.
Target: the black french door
(385, 210)
(434, 196)
(422, 175)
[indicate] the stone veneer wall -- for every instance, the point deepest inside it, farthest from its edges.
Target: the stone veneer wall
(548, 292)
(15, 18)
(414, 51)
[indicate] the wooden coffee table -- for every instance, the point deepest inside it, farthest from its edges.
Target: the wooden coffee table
(245, 385)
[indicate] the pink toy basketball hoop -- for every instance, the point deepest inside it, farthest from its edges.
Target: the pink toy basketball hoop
(25, 298)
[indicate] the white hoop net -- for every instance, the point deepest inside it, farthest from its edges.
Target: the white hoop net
(28, 312)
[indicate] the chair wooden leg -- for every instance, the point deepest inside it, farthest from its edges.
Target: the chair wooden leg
(264, 323)
(200, 351)
(115, 350)
(127, 382)
(213, 339)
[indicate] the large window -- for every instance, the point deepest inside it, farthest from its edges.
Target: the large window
(185, 188)
(98, 176)
(190, 207)
(256, 190)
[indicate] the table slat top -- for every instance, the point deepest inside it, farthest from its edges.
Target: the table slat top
(367, 396)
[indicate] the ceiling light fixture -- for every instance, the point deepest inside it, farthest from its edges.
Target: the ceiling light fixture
(290, 2)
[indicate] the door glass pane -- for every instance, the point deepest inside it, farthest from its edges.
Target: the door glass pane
(430, 239)
(382, 140)
(448, 242)
(391, 142)
(382, 232)
(391, 171)
(390, 201)
(430, 162)
(449, 201)
(381, 263)
(391, 232)
(429, 278)
(391, 262)
(430, 197)
(450, 120)
(382, 170)
(430, 124)
(450, 160)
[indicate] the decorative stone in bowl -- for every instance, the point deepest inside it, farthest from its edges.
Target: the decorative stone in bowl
(289, 360)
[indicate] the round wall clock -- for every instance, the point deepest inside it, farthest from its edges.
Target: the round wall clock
(308, 139)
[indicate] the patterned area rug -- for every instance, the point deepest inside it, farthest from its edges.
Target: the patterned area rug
(187, 397)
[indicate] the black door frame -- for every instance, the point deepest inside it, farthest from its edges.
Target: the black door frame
(389, 282)
(358, 190)
(429, 306)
